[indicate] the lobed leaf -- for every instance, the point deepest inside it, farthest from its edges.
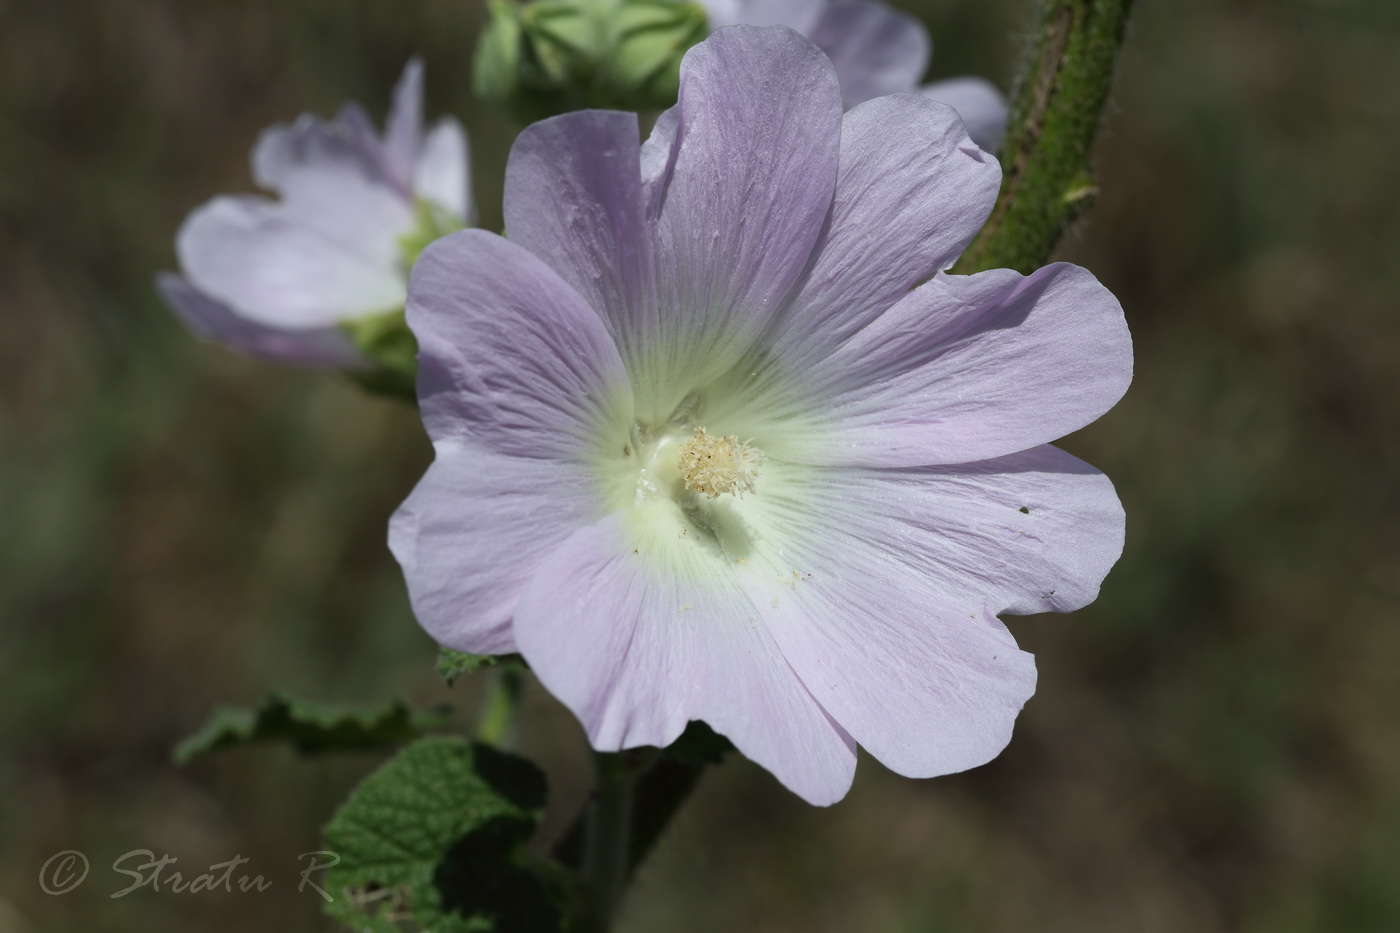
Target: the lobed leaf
(434, 842)
(310, 727)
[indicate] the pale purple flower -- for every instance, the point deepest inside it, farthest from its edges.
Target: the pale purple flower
(278, 279)
(706, 448)
(877, 50)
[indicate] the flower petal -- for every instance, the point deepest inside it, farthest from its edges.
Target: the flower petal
(877, 50)
(911, 194)
(354, 123)
(637, 645)
(212, 320)
(1035, 531)
(981, 105)
(330, 182)
(888, 615)
(270, 267)
(510, 355)
(473, 531)
(403, 130)
(739, 178)
(973, 367)
(573, 197)
(924, 691)
(443, 170)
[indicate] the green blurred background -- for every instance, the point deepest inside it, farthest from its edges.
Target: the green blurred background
(1214, 744)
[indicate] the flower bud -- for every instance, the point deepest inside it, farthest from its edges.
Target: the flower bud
(551, 56)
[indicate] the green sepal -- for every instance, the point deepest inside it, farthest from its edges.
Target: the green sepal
(384, 339)
(311, 727)
(653, 36)
(496, 65)
(552, 56)
(435, 841)
(433, 222)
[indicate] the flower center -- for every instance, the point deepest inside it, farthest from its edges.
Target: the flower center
(713, 465)
(673, 484)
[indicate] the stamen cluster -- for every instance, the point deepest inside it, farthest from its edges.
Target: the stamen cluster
(712, 465)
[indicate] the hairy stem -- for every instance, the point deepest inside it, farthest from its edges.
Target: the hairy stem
(1055, 113)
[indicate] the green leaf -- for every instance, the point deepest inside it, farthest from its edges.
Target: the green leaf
(453, 664)
(310, 727)
(434, 842)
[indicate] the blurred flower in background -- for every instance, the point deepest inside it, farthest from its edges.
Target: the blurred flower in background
(877, 50)
(320, 276)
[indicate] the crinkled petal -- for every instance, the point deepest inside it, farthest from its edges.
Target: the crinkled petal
(573, 197)
(443, 172)
(472, 532)
(911, 194)
(739, 179)
(877, 50)
(403, 130)
(271, 268)
(639, 642)
(330, 182)
(212, 320)
(510, 355)
(981, 105)
(888, 614)
(972, 367)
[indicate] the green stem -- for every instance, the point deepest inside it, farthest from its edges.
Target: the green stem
(658, 795)
(498, 718)
(1055, 114)
(607, 853)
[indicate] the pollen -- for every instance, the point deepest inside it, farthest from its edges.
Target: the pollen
(713, 465)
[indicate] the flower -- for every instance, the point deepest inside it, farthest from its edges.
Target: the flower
(318, 277)
(877, 50)
(707, 449)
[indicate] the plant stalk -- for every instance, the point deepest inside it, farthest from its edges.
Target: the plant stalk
(607, 854)
(1056, 109)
